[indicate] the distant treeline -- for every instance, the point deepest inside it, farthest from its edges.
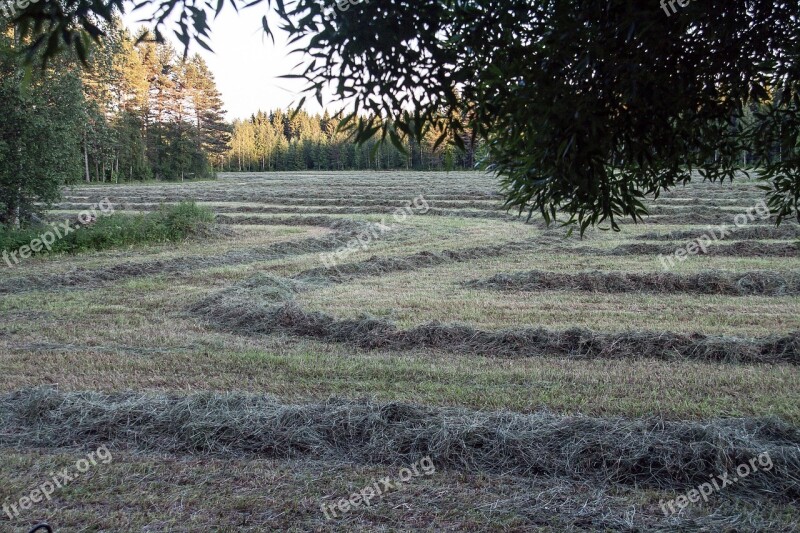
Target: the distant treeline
(151, 114)
(288, 140)
(136, 111)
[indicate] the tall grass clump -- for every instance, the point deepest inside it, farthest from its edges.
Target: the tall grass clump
(168, 224)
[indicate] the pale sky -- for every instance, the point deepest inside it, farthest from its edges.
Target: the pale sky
(245, 63)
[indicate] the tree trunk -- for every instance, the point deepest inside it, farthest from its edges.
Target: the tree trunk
(86, 158)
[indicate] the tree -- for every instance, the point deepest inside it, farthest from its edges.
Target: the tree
(40, 129)
(209, 115)
(586, 106)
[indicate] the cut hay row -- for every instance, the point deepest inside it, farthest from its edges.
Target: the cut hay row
(322, 210)
(711, 202)
(699, 217)
(263, 305)
(294, 220)
(749, 233)
(296, 202)
(734, 249)
(640, 452)
(761, 283)
(87, 278)
(289, 198)
(377, 266)
(730, 210)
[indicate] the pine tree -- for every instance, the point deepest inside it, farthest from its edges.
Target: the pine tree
(209, 115)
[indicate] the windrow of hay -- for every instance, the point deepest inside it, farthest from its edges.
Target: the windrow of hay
(85, 277)
(341, 225)
(640, 452)
(376, 266)
(243, 309)
(717, 201)
(730, 210)
(308, 202)
(483, 212)
(732, 249)
(764, 283)
(289, 197)
(349, 210)
(750, 233)
(701, 216)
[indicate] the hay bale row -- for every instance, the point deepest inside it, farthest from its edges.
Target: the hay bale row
(761, 283)
(244, 309)
(639, 452)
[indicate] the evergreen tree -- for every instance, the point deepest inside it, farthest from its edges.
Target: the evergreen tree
(40, 132)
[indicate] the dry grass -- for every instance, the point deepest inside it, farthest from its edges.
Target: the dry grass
(709, 282)
(641, 452)
(189, 493)
(410, 299)
(124, 330)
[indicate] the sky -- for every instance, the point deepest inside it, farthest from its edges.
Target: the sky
(246, 64)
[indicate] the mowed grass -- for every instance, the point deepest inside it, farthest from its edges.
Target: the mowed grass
(308, 370)
(136, 334)
(412, 298)
(179, 493)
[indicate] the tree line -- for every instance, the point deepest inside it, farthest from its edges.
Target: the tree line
(296, 140)
(135, 110)
(151, 113)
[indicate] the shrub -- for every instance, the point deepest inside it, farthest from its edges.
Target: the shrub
(168, 224)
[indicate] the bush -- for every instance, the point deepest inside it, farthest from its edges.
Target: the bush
(168, 224)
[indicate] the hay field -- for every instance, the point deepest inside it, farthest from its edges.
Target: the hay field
(245, 381)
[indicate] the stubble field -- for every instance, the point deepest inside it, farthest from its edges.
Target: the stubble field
(244, 382)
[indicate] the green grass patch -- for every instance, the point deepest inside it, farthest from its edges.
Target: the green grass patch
(168, 224)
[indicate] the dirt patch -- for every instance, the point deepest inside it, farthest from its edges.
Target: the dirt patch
(708, 282)
(648, 452)
(236, 310)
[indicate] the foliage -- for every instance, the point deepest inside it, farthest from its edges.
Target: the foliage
(169, 224)
(587, 105)
(152, 113)
(38, 136)
(295, 140)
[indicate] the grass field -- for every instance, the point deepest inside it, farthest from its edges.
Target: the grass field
(242, 381)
